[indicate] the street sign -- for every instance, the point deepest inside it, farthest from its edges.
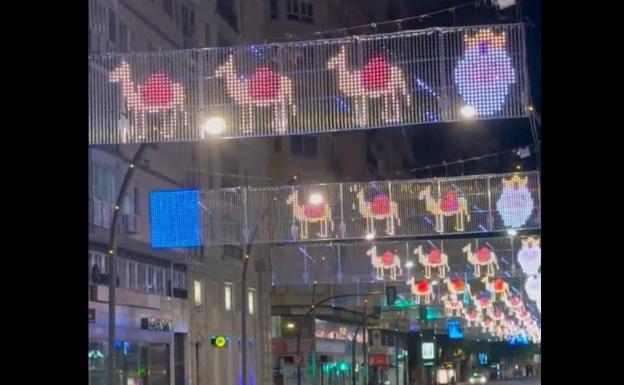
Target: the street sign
(428, 351)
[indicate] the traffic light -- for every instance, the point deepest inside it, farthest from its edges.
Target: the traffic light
(219, 341)
(391, 295)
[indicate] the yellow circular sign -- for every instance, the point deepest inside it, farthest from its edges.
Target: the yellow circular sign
(220, 342)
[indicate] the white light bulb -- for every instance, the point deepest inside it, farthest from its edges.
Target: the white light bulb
(214, 125)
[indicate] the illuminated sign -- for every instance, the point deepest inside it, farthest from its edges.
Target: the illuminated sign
(454, 330)
(483, 358)
(157, 324)
(428, 351)
(219, 341)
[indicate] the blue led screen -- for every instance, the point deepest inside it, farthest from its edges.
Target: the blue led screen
(175, 219)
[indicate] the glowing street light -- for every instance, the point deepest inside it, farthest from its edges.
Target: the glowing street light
(369, 236)
(213, 126)
(468, 112)
(316, 199)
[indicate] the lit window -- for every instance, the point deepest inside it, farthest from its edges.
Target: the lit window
(228, 296)
(251, 299)
(197, 292)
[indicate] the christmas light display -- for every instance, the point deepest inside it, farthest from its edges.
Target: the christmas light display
(497, 315)
(434, 259)
(457, 286)
(175, 219)
(515, 204)
(483, 257)
(380, 207)
(377, 79)
(530, 256)
(514, 304)
(158, 95)
(264, 88)
(449, 205)
(484, 74)
(533, 288)
(498, 287)
(472, 317)
(386, 261)
(422, 290)
(313, 212)
(452, 305)
(483, 301)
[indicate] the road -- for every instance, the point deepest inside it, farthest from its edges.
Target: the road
(522, 381)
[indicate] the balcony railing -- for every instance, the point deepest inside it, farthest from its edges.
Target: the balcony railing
(409, 77)
(379, 210)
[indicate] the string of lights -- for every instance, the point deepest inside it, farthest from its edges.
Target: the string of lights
(228, 174)
(475, 158)
(398, 22)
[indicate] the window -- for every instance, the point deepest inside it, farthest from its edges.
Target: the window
(104, 183)
(112, 26)
(132, 275)
(226, 9)
(188, 21)
(276, 326)
(168, 7)
(179, 280)
(228, 296)
(123, 38)
(251, 300)
(197, 292)
(149, 282)
(277, 145)
(130, 203)
(305, 146)
(160, 281)
(273, 9)
(300, 11)
(207, 41)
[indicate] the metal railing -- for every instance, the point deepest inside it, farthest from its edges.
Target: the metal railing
(408, 77)
(380, 210)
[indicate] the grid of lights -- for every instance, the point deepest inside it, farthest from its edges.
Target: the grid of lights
(515, 204)
(484, 74)
(175, 219)
(309, 87)
(373, 211)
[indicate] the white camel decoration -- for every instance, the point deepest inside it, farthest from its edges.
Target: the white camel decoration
(387, 261)
(483, 257)
(379, 208)
(264, 88)
(376, 79)
(422, 290)
(435, 258)
(449, 205)
(452, 305)
(311, 213)
(157, 95)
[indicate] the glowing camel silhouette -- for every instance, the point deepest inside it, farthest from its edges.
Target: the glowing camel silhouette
(435, 259)
(311, 213)
(387, 261)
(449, 205)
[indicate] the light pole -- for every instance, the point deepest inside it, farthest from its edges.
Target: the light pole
(248, 245)
(311, 310)
(112, 275)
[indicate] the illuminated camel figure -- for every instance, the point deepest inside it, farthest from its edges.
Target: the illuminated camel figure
(452, 305)
(514, 304)
(483, 302)
(311, 213)
(472, 317)
(157, 95)
(487, 325)
(449, 205)
(498, 287)
(497, 315)
(457, 286)
(264, 88)
(524, 316)
(379, 208)
(387, 261)
(483, 257)
(435, 259)
(421, 290)
(377, 79)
